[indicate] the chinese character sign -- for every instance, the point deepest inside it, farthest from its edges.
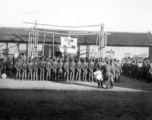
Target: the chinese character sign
(70, 43)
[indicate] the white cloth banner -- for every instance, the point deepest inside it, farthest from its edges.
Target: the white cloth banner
(93, 51)
(70, 44)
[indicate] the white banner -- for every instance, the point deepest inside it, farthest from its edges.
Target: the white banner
(70, 44)
(93, 51)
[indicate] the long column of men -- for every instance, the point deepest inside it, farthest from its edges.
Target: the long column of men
(67, 69)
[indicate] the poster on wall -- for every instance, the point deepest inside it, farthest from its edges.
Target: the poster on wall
(93, 51)
(68, 44)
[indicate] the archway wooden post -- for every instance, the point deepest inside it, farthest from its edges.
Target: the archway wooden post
(43, 42)
(101, 42)
(53, 45)
(29, 45)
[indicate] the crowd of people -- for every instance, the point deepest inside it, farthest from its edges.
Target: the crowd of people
(80, 69)
(137, 69)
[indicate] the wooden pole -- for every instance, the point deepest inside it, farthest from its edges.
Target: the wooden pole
(43, 43)
(29, 45)
(37, 38)
(49, 50)
(102, 54)
(53, 45)
(7, 49)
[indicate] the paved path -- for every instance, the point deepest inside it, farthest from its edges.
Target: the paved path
(126, 84)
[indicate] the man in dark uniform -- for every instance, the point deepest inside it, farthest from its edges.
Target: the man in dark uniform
(84, 69)
(113, 71)
(72, 70)
(30, 69)
(60, 69)
(91, 67)
(36, 67)
(42, 69)
(78, 70)
(18, 66)
(48, 69)
(1, 67)
(55, 67)
(118, 70)
(66, 69)
(108, 76)
(24, 70)
(150, 72)
(147, 70)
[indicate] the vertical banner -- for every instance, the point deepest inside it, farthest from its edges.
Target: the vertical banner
(93, 51)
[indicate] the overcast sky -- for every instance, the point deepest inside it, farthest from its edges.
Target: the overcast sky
(117, 15)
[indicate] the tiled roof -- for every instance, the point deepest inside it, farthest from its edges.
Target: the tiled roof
(130, 39)
(114, 39)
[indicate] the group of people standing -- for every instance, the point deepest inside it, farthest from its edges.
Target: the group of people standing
(68, 69)
(137, 69)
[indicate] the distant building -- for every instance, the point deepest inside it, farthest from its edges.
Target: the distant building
(122, 44)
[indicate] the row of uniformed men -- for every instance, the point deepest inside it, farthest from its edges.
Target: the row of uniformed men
(68, 69)
(137, 69)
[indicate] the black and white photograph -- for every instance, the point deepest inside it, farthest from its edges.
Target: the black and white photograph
(75, 59)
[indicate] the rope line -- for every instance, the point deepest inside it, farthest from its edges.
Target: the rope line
(64, 26)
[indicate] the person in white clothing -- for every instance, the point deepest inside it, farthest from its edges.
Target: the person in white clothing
(99, 78)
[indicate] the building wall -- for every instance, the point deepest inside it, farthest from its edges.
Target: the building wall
(84, 50)
(120, 52)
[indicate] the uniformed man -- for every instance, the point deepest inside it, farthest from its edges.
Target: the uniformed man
(24, 70)
(1, 67)
(60, 69)
(113, 70)
(108, 76)
(84, 69)
(72, 69)
(139, 70)
(150, 72)
(48, 69)
(66, 69)
(91, 67)
(118, 70)
(78, 70)
(18, 66)
(55, 67)
(42, 69)
(30, 69)
(36, 68)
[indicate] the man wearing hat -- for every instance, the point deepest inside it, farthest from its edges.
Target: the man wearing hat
(91, 67)
(78, 70)
(24, 70)
(72, 69)
(84, 69)
(35, 68)
(54, 68)
(66, 69)
(108, 76)
(30, 69)
(18, 66)
(60, 69)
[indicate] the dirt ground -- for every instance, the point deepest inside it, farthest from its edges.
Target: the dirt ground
(46, 100)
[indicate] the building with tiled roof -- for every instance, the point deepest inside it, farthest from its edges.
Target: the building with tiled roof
(121, 40)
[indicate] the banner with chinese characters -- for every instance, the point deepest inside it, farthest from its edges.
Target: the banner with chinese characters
(69, 44)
